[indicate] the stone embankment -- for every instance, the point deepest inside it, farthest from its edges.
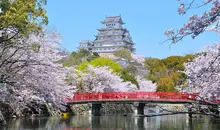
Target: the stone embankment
(45, 109)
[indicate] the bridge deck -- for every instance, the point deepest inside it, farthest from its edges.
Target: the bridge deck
(131, 97)
(130, 101)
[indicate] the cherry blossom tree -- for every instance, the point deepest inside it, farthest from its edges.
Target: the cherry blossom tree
(138, 58)
(208, 21)
(100, 79)
(32, 73)
(204, 72)
(146, 85)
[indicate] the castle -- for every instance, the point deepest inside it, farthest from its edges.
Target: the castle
(110, 38)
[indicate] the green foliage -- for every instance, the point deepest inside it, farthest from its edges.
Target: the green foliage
(91, 57)
(35, 47)
(176, 62)
(82, 53)
(72, 60)
(24, 15)
(96, 54)
(167, 72)
(154, 64)
(165, 84)
(100, 62)
(131, 69)
(83, 67)
(126, 76)
(4, 4)
(152, 77)
(76, 58)
(123, 53)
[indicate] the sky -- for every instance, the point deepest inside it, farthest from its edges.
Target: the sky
(147, 20)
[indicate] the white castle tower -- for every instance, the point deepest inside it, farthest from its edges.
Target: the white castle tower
(110, 38)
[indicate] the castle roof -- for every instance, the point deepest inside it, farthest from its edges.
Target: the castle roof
(113, 19)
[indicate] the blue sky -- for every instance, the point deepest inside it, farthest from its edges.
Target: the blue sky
(146, 20)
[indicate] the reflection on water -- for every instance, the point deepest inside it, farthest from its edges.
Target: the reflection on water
(173, 122)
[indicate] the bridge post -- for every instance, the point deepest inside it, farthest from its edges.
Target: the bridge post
(138, 108)
(95, 109)
(188, 108)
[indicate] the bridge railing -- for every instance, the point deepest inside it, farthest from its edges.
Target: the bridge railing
(133, 96)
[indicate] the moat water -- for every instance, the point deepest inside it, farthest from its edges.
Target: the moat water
(171, 122)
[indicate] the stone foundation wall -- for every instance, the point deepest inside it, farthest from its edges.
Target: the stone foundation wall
(82, 109)
(116, 109)
(173, 107)
(110, 109)
(106, 55)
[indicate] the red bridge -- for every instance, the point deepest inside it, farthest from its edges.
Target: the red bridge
(138, 99)
(129, 97)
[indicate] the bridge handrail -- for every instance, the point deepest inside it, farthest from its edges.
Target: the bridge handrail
(134, 96)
